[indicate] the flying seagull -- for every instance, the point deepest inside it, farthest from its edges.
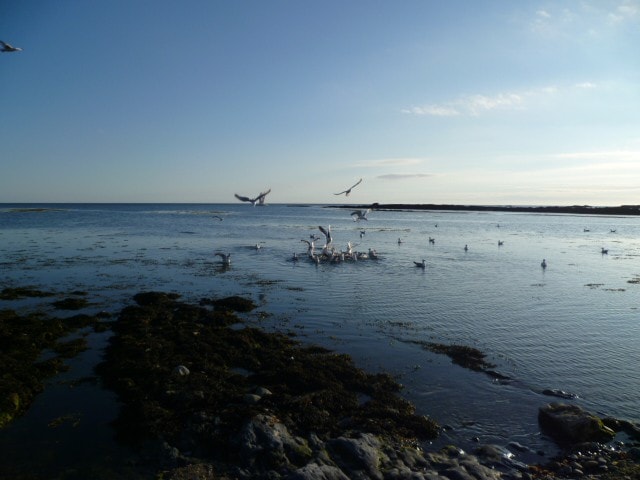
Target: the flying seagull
(360, 215)
(348, 190)
(327, 234)
(258, 200)
(8, 48)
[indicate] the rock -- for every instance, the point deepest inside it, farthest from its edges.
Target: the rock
(358, 455)
(558, 393)
(181, 371)
(264, 442)
(313, 471)
(572, 424)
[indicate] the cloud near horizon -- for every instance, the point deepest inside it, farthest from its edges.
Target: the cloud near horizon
(404, 176)
(390, 162)
(475, 105)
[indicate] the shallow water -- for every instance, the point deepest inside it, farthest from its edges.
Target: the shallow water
(572, 326)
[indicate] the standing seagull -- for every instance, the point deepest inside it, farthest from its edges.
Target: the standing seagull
(348, 190)
(360, 215)
(8, 48)
(543, 264)
(258, 200)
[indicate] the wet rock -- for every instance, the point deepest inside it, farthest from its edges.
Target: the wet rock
(313, 471)
(181, 371)
(559, 393)
(571, 424)
(359, 456)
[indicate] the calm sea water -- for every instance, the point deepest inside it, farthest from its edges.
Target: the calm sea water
(574, 326)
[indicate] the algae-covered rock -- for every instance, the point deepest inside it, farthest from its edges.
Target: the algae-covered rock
(572, 424)
(252, 398)
(23, 339)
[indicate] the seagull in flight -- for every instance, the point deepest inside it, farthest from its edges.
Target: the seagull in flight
(8, 48)
(348, 190)
(327, 234)
(258, 200)
(360, 215)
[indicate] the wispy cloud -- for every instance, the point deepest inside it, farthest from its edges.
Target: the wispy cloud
(390, 162)
(628, 10)
(617, 155)
(478, 104)
(404, 176)
(433, 110)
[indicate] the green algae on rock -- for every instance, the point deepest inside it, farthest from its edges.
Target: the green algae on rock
(235, 375)
(17, 293)
(22, 341)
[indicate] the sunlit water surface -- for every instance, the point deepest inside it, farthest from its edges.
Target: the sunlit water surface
(573, 326)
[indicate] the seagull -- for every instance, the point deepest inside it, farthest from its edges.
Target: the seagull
(500, 243)
(360, 215)
(258, 200)
(226, 258)
(327, 234)
(312, 247)
(362, 233)
(466, 248)
(8, 48)
(218, 217)
(348, 190)
(399, 241)
(604, 251)
(294, 258)
(373, 254)
(421, 264)
(543, 264)
(432, 240)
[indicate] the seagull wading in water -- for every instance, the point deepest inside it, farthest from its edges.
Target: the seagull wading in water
(422, 264)
(8, 48)
(226, 258)
(360, 215)
(348, 190)
(258, 200)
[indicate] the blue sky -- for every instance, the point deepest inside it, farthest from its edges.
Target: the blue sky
(465, 102)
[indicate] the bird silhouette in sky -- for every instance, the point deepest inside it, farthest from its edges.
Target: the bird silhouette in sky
(259, 200)
(348, 190)
(8, 48)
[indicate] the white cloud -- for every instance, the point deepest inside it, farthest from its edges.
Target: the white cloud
(617, 155)
(390, 162)
(543, 14)
(433, 110)
(628, 10)
(404, 176)
(474, 105)
(586, 85)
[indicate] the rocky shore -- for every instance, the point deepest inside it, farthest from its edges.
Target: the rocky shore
(205, 396)
(569, 209)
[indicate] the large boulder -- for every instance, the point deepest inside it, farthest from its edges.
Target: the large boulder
(572, 424)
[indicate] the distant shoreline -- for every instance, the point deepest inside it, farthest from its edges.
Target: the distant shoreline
(573, 209)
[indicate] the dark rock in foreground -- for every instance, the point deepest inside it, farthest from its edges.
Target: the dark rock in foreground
(571, 424)
(246, 401)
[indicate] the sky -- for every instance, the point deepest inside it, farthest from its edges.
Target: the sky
(481, 102)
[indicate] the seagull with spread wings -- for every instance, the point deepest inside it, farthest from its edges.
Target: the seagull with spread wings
(348, 190)
(360, 215)
(258, 200)
(8, 48)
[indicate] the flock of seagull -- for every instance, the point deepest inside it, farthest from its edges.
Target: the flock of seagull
(328, 253)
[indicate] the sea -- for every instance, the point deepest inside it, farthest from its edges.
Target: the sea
(573, 326)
